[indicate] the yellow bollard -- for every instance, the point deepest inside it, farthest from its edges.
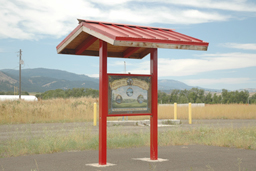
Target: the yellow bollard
(175, 111)
(95, 115)
(189, 114)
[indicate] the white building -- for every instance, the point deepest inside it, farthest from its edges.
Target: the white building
(16, 97)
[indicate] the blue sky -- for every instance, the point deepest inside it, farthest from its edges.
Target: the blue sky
(37, 27)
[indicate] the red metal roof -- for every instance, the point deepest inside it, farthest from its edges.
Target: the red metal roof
(128, 40)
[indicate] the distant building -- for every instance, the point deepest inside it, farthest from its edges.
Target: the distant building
(16, 97)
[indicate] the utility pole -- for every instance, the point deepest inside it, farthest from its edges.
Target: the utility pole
(20, 62)
(125, 73)
(124, 67)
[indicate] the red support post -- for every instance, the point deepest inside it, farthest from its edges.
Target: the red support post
(154, 101)
(103, 103)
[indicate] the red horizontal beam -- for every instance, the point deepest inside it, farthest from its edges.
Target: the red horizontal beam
(129, 51)
(130, 114)
(85, 44)
(143, 75)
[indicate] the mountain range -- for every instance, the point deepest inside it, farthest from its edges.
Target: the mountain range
(41, 80)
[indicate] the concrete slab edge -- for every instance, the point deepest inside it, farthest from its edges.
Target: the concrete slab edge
(149, 160)
(143, 122)
(97, 165)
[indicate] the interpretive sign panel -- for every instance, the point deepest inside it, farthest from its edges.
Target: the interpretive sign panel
(129, 94)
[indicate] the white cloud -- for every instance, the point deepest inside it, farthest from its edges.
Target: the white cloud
(110, 2)
(232, 5)
(30, 19)
(206, 82)
(93, 75)
(247, 46)
(163, 15)
(205, 63)
(131, 67)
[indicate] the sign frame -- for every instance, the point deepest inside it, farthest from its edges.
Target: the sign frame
(134, 112)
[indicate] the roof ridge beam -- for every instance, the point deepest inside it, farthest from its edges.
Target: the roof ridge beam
(85, 44)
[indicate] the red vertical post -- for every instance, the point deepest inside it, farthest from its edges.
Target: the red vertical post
(103, 103)
(154, 103)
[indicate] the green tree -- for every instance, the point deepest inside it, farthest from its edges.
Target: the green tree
(216, 99)
(252, 99)
(225, 96)
(208, 98)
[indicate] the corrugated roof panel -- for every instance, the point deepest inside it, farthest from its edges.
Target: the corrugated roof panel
(122, 36)
(147, 32)
(129, 32)
(170, 35)
(116, 29)
(183, 36)
(108, 30)
(158, 34)
(143, 34)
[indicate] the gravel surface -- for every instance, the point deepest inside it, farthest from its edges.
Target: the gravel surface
(41, 129)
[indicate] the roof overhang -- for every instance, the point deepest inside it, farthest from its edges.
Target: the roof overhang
(124, 41)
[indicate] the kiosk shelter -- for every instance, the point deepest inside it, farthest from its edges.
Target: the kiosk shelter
(125, 94)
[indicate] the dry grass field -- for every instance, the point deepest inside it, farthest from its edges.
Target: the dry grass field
(54, 110)
(218, 111)
(81, 109)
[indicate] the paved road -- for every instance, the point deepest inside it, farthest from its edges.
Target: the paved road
(25, 130)
(180, 158)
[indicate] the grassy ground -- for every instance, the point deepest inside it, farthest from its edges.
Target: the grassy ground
(80, 140)
(81, 109)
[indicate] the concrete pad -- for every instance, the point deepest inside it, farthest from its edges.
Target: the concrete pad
(143, 122)
(97, 165)
(149, 160)
(161, 125)
(170, 121)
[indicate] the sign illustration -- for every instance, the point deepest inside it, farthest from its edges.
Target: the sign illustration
(129, 94)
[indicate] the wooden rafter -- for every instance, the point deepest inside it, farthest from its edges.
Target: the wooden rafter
(85, 44)
(129, 51)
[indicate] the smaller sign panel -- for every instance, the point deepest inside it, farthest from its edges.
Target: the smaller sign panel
(129, 94)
